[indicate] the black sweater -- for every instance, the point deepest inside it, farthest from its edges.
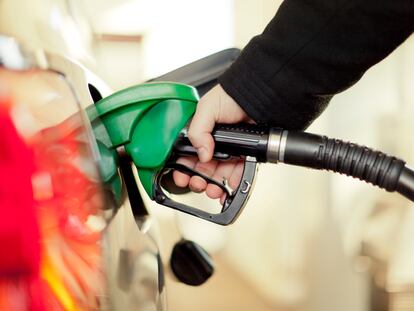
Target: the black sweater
(310, 51)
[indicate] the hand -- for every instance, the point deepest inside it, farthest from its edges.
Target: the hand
(214, 107)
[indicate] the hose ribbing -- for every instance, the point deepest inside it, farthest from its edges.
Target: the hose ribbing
(347, 158)
(360, 162)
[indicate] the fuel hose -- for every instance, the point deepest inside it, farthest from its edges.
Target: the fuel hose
(297, 148)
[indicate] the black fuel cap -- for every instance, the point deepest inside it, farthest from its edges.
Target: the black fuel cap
(190, 263)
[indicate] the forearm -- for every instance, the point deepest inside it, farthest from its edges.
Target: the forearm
(311, 51)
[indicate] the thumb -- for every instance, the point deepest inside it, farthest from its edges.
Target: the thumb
(200, 130)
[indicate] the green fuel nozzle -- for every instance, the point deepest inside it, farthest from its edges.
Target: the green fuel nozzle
(145, 122)
(148, 122)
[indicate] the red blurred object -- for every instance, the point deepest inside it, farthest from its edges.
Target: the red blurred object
(67, 196)
(74, 197)
(19, 232)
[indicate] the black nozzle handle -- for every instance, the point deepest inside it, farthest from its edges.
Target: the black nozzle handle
(233, 140)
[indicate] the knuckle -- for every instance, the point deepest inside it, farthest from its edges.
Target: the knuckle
(206, 168)
(214, 192)
(192, 136)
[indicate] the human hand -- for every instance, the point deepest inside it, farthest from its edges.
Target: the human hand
(214, 107)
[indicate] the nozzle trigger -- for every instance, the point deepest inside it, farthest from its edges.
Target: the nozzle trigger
(233, 204)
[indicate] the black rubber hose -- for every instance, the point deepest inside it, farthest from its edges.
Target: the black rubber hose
(361, 162)
(406, 183)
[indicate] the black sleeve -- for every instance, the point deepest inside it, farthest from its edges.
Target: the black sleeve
(310, 51)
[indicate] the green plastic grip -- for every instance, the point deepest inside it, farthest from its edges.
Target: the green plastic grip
(146, 119)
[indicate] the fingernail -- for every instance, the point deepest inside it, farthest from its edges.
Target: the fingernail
(202, 154)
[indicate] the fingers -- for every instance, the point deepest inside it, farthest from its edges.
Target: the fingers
(222, 198)
(198, 184)
(232, 171)
(181, 179)
(200, 132)
(235, 179)
(214, 107)
(224, 171)
(236, 175)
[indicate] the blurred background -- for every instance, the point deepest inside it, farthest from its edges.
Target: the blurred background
(307, 240)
